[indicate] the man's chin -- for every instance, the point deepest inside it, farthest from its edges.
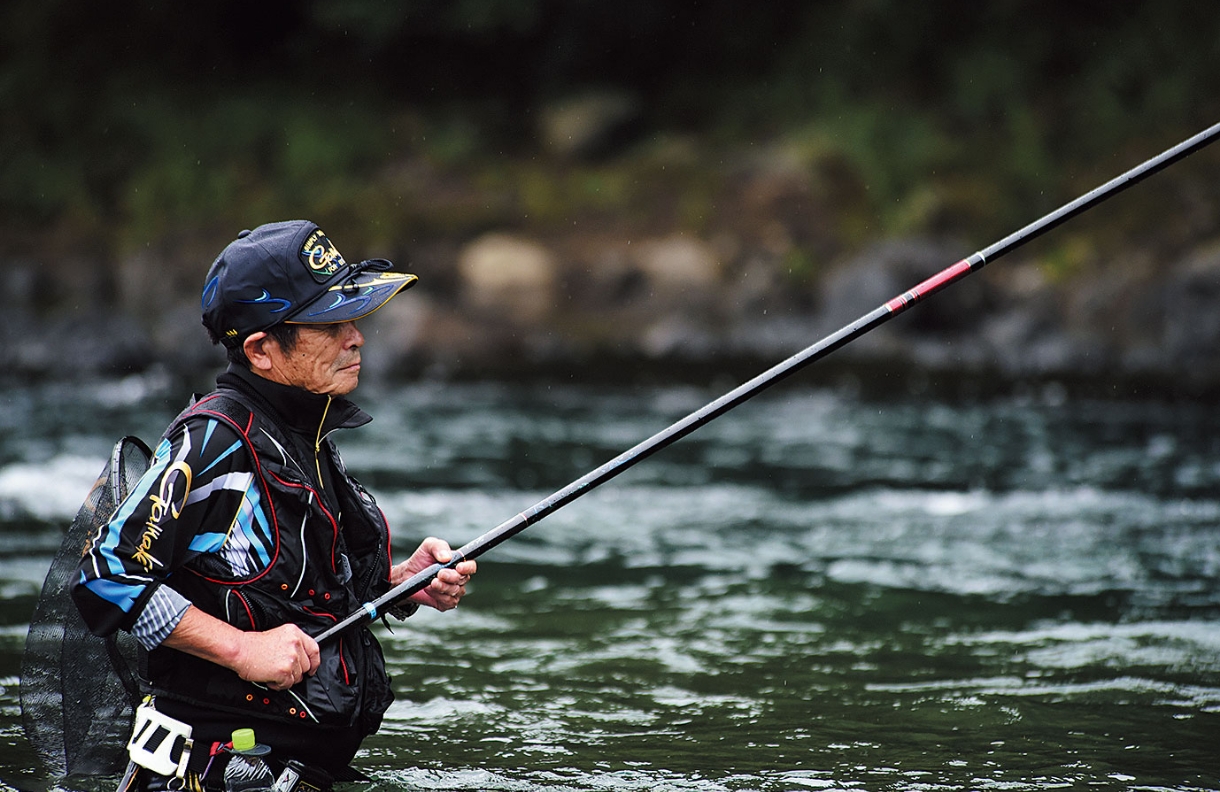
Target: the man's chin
(347, 380)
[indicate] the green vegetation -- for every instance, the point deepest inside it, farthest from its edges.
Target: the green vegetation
(400, 121)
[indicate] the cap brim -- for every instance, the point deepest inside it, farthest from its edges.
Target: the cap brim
(353, 299)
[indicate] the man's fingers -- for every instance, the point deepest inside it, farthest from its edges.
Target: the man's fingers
(446, 595)
(281, 657)
(313, 654)
(447, 588)
(457, 576)
(296, 670)
(439, 549)
(308, 658)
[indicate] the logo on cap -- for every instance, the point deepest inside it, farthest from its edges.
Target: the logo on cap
(320, 256)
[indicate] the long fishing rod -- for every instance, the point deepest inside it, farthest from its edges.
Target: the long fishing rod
(711, 411)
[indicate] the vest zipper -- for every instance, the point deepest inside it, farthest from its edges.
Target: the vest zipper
(317, 444)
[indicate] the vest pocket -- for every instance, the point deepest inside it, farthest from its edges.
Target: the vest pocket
(243, 612)
(378, 693)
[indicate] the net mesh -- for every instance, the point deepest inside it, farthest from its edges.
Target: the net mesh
(78, 690)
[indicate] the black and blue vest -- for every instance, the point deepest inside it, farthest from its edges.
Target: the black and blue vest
(323, 568)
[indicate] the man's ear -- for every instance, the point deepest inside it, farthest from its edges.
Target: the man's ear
(258, 349)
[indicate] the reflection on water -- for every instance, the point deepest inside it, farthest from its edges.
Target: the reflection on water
(812, 592)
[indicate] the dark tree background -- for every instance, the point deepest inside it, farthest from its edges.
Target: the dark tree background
(413, 127)
(96, 92)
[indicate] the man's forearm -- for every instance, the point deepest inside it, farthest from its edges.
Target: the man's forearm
(206, 637)
(278, 658)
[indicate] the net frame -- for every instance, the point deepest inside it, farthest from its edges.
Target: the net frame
(78, 691)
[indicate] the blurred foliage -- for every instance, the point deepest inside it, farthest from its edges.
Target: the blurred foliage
(126, 122)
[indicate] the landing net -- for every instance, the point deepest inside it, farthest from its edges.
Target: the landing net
(78, 691)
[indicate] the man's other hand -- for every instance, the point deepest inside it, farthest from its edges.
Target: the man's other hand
(448, 587)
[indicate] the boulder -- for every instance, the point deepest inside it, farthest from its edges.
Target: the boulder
(1189, 299)
(678, 266)
(509, 277)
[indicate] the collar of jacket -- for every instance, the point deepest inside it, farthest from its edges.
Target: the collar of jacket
(295, 408)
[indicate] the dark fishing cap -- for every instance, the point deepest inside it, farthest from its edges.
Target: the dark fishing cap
(291, 272)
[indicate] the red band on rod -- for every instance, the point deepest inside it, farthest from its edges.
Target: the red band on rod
(930, 286)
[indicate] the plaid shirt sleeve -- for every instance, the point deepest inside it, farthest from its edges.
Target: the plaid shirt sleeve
(160, 616)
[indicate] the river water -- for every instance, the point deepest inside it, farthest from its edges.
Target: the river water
(817, 591)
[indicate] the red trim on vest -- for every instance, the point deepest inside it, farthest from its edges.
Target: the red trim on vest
(246, 605)
(334, 525)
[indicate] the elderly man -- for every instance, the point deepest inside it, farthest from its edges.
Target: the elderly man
(247, 535)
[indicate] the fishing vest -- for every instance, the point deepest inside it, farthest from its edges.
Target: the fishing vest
(318, 575)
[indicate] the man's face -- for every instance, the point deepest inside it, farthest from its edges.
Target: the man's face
(326, 359)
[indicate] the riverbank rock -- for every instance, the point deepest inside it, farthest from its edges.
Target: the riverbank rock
(678, 267)
(508, 276)
(1189, 302)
